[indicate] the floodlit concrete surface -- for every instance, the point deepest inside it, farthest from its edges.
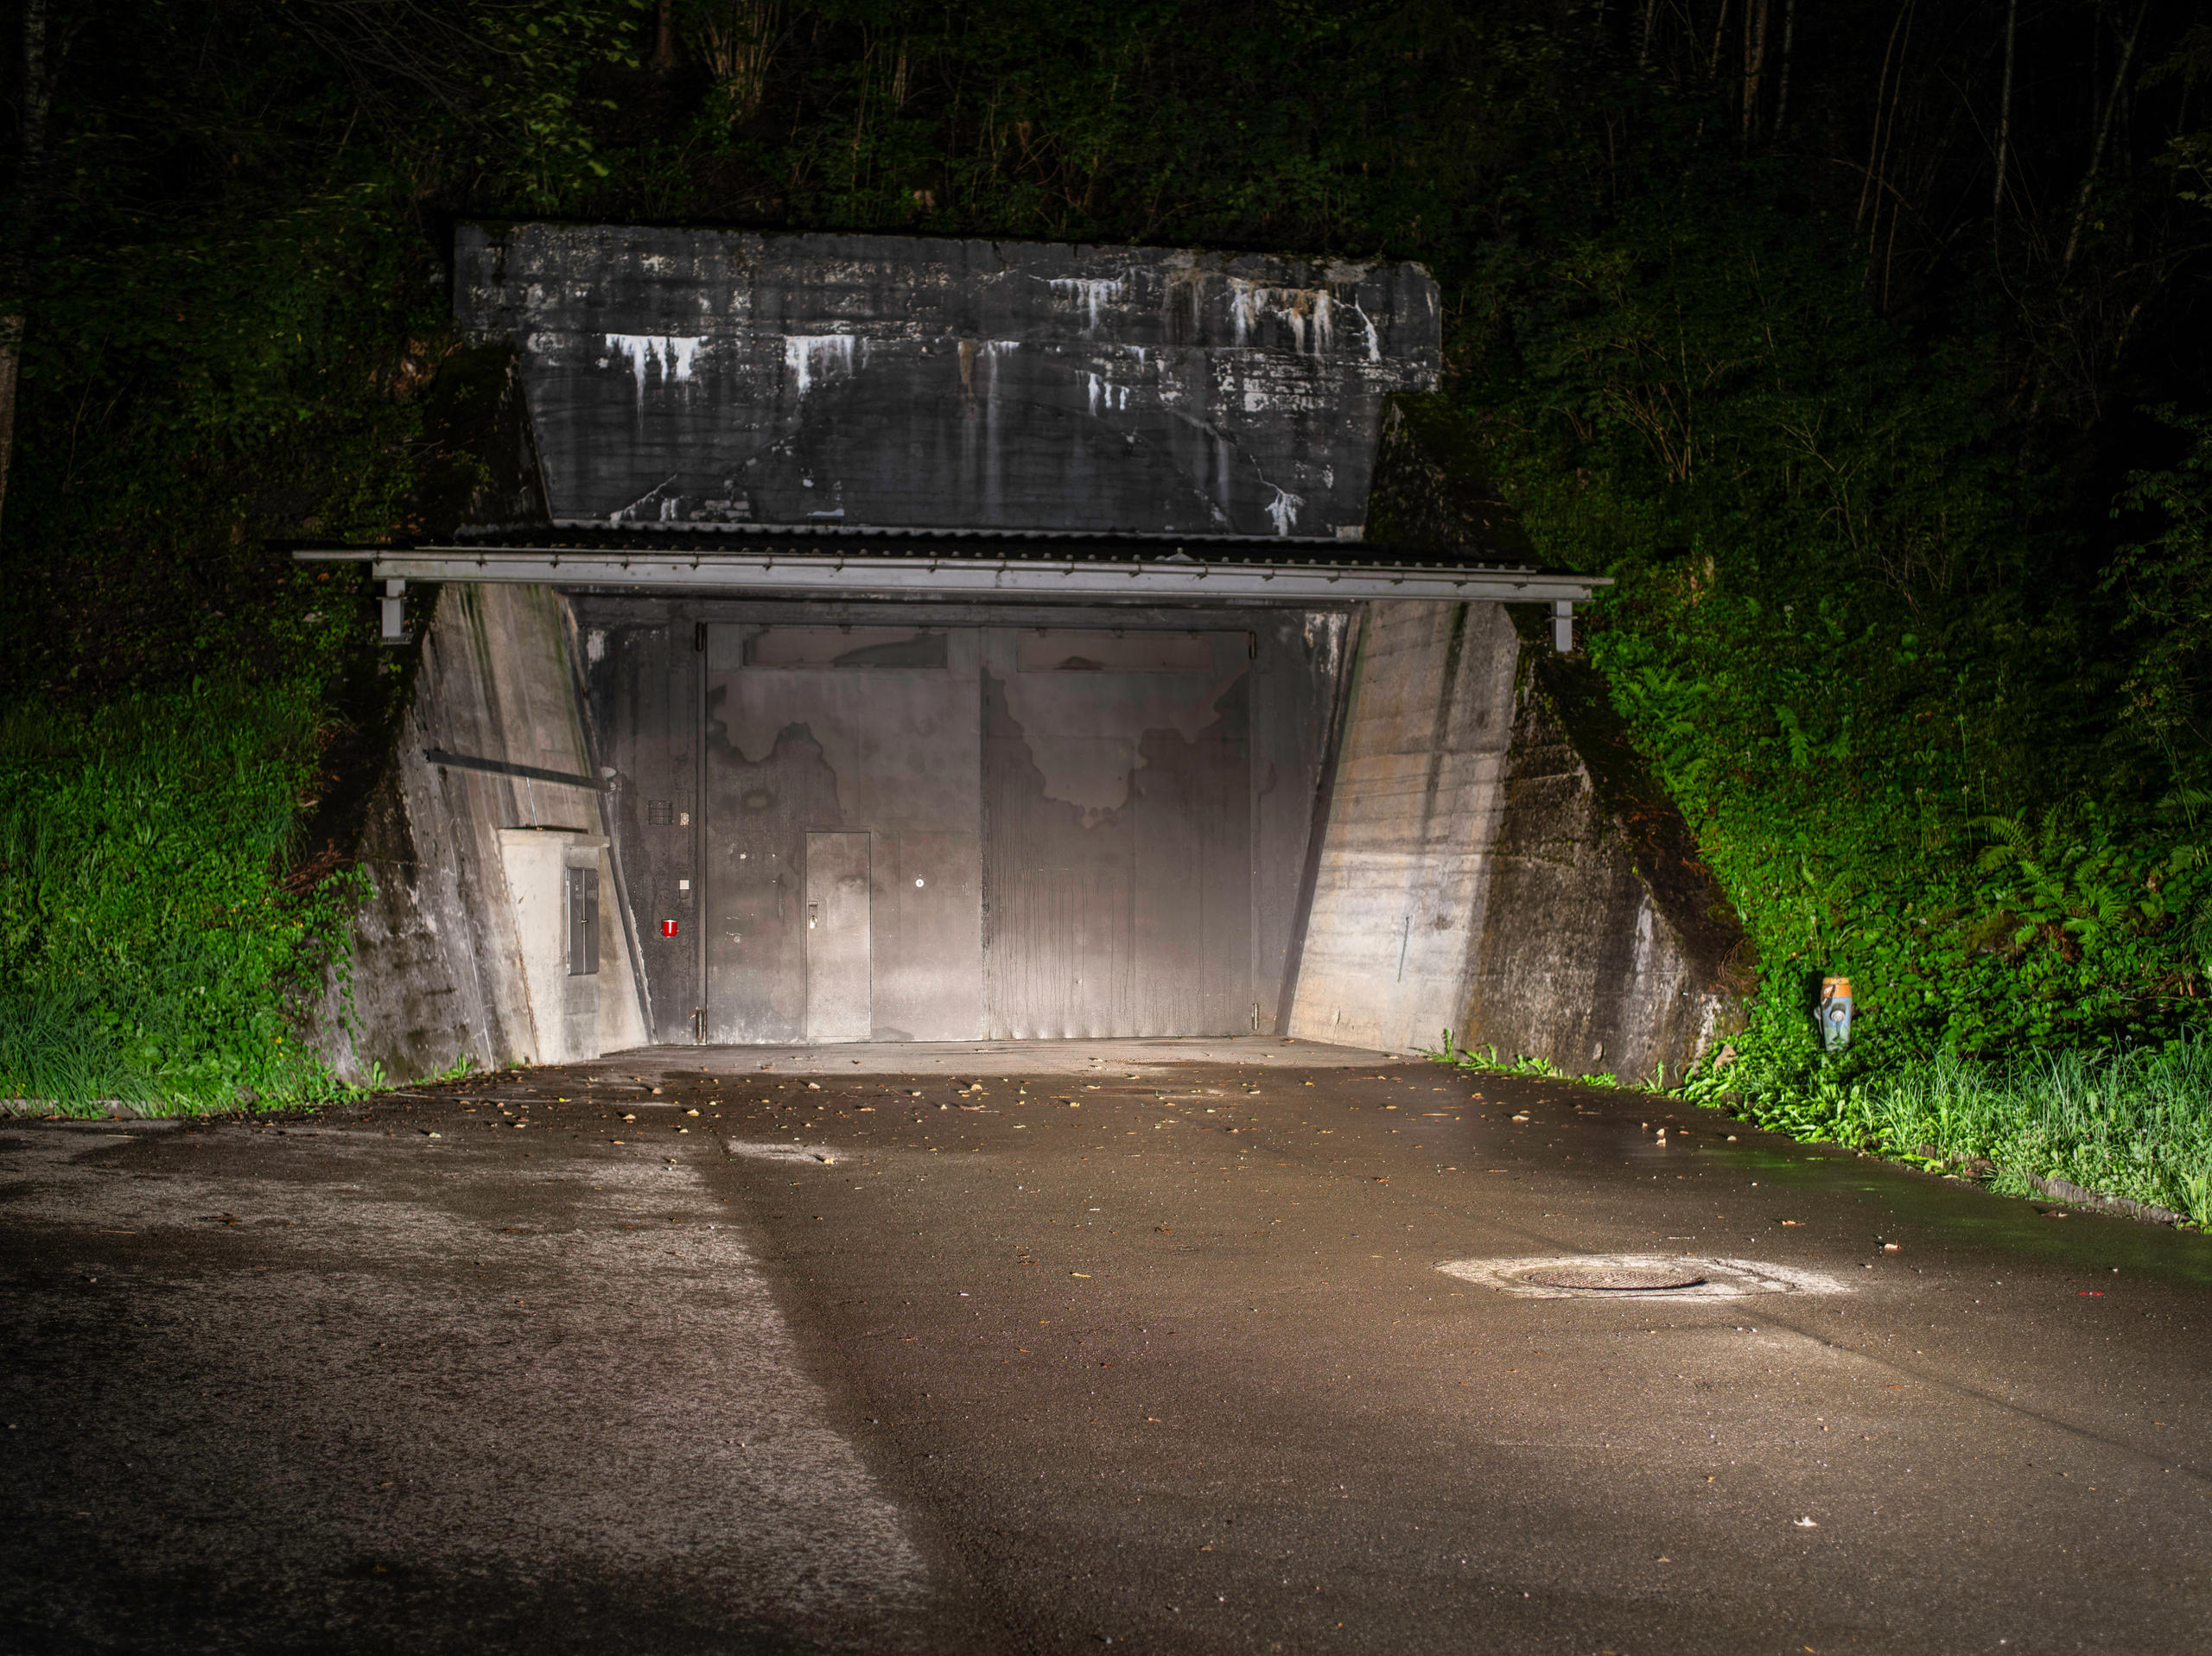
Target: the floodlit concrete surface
(1030, 1353)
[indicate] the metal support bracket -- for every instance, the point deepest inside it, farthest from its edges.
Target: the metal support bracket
(394, 606)
(1563, 625)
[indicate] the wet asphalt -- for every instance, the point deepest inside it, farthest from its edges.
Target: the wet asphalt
(1159, 1356)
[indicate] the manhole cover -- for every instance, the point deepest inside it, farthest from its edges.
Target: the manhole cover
(1619, 1278)
(1627, 1275)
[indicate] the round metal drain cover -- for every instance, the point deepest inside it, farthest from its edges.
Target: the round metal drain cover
(1618, 1278)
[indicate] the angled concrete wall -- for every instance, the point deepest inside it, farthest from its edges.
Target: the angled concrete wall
(1497, 860)
(450, 960)
(1605, 948)
(1402, 880)
(1476, 878)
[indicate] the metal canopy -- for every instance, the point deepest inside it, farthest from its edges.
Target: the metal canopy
(958, 563)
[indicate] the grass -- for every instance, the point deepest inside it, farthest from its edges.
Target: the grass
(157, 940)
(2134, 1122)
(1486, 1059)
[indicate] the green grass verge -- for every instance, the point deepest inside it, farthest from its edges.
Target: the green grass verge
(156, 942)
(2133, 1121)
(2129, 1121)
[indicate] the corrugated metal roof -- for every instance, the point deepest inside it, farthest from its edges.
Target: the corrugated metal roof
(893, 541)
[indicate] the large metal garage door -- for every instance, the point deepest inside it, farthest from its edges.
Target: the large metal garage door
(937, 833)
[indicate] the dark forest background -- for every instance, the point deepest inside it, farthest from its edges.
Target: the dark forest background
(1865, 341)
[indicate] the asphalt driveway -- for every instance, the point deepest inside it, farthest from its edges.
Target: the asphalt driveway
(968, 1349)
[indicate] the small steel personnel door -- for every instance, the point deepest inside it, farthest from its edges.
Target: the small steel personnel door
(837, 937)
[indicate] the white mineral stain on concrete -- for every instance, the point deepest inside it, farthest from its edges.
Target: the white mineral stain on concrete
(1091, 292)
(810, 358)
(672, 353)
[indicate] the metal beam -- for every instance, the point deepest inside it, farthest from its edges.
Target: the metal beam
(505, 768)
(967, 575)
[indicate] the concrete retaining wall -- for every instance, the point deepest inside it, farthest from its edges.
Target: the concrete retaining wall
(1498, 860)
(451, 959)
(1474, 877)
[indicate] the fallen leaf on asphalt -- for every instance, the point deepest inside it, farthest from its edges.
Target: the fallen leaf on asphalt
(1080, 1274)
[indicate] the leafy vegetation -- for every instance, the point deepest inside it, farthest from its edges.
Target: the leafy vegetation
(152, 956)
(1864, 343)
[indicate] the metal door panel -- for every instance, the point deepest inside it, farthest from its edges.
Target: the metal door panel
(1193, 915)
(816, 730)
(646, 694)
(837, 905)
(1059, 958)
(1117, 855)
(926, 976)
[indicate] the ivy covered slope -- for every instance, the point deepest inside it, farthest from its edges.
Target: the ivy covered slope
(1932, 705)
(218, 356)
(150, 956)
(183, 700)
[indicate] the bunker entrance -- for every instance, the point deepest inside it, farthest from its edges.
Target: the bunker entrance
(884, 828)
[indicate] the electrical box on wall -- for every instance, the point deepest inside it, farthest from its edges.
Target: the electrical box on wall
(583, 922)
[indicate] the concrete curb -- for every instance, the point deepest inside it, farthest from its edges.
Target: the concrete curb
(119, 1109)
(107, 1109)
(2080, 1196)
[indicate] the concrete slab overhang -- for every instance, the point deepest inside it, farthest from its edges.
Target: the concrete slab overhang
(800, 559)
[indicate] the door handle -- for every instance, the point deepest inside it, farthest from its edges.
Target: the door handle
(813, 913)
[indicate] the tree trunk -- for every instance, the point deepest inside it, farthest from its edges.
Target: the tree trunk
(11, 350)
(2004, 119)
(2104, 132)
(1789, 43)
(664, 37)
(1754, 67)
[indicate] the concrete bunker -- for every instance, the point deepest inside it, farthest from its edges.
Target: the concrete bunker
(880, 638)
